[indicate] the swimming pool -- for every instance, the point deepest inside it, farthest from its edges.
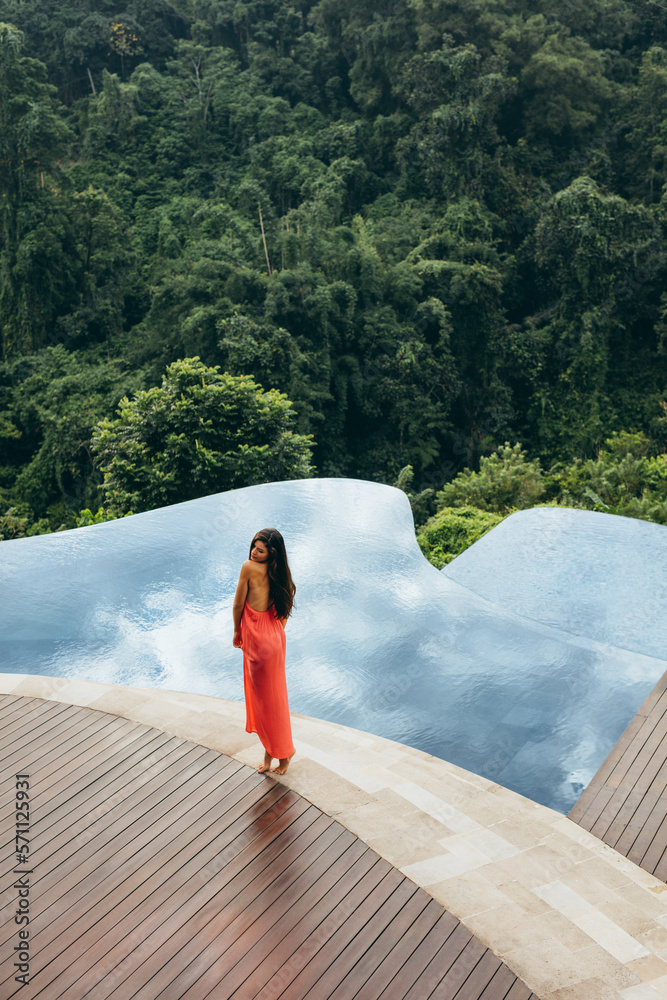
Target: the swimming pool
(380, 640)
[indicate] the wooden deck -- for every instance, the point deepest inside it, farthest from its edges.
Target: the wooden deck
(625, 804)
(161, 869)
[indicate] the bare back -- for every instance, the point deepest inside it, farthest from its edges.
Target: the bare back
(258, 586)
(253, 587)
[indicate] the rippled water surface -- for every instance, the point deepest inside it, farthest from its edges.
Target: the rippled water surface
(506, 679)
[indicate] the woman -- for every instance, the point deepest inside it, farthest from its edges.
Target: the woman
(262, 604)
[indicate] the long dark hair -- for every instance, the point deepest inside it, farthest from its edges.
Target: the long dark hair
(281, 584)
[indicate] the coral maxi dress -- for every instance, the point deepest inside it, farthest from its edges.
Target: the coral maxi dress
(264, 684)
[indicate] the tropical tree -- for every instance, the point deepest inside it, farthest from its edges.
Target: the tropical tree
(49, 404)
(646, 160)
(624, 478)
(36, 243)
(202, 431)
(506, 480)
(600, 265)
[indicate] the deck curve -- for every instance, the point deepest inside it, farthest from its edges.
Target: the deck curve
(571, 917)
(158, 867)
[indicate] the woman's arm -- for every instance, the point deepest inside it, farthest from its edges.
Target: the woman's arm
(239, 602)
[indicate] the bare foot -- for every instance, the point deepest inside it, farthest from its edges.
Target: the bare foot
(266, 766)
(283, 765)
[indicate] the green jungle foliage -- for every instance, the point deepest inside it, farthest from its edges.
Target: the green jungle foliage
(452, 530)
(371, 240)
(624, 479)
(505, 481)
(201, 432)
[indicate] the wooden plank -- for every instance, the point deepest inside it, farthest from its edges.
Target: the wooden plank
(166, 869)
(631, 745)
(108, 829)
(499, 987)
(408, 934)
(625, 805)
(654, 697)
(175, 866)
(651, 857)
(238, 956)
(115, 958)
(8, 704)
(106, 772)
(421, 958)
(127, 852)
(342, 924)
(619, 750)
(13, 710)
(322, 919)
(43, 720)
(480, 979)
(80, 757)
(202, 876)
(129, 796)
(632, 741)
(519, 992)
(389, 940)
(595, 807)
(660, 867)
(441, 963)
(649, 830)
(83, 772)
(54, 918)
(344, 966)
(41, 749)
(640, 749)
(38, 724)
(218, 931)
(632, 792)
(290, 943)
(112, 846)
(640, 823)
(8, 699)
(621, 765)
(617, 761)
(639, 758)
(465, 963)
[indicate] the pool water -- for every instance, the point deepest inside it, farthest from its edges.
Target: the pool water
(518, 662)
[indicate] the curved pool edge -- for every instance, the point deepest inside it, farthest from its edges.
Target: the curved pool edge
(566, 913)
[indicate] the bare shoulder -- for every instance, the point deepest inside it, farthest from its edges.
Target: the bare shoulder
(253, 571)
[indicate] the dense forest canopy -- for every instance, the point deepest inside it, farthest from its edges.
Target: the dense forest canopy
(431, 226)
